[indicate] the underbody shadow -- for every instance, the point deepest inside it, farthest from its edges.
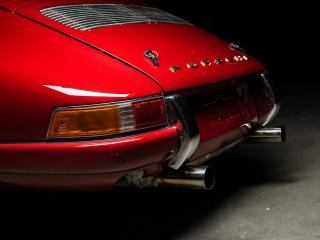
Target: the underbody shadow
(152, 213)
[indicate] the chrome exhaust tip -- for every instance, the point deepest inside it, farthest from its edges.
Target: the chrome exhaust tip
(267, 135)
(202, 177)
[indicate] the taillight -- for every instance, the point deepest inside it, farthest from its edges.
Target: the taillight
(149, 113)
(108, 119)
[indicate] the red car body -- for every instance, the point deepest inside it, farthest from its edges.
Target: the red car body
(46, 65)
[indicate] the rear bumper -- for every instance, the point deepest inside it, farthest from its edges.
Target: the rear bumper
(86, 162)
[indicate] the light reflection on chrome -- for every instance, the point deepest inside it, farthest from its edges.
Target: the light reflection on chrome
(84, 93)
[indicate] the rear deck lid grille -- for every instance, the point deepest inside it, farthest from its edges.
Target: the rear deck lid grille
(85, 17)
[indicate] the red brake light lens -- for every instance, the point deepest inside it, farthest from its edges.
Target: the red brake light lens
(149, 113)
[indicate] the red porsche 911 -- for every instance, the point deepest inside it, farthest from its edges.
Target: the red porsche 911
(97, 94)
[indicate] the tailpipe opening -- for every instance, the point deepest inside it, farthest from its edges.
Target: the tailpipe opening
(267, 135)
(202, 177)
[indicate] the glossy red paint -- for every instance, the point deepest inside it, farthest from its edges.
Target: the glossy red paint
(45, 65)
(70, 182)
(36, 60)
(175, 44)
(89, 157)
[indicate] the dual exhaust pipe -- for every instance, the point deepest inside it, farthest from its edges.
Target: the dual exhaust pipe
(201, 177)
(267, 135)
(204, 177)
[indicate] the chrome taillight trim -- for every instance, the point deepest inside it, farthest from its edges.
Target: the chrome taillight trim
(85, 17)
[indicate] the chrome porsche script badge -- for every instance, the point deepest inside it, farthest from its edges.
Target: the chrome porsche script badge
(209, 63)
(153, 56)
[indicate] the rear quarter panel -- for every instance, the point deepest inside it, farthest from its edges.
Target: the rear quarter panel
(35, 60)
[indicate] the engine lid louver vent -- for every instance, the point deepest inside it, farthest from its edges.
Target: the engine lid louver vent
(85, 17)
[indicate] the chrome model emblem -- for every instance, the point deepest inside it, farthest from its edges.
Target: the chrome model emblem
(218, 61)
(229, 60)
(153, 56)
(206, 63)
(213, 62)
(237, 47)
(175, 68)
(192, 65)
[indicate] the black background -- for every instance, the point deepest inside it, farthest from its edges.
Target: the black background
(283, 35)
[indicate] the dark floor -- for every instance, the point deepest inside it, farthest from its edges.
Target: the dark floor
(263, 192)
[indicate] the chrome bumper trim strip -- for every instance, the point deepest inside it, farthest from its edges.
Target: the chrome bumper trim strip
(190, 134)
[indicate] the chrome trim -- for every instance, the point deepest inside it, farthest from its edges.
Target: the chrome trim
(200, 177)
(190, 134)
(267, 135)
(153, 56)
(266, 119)
(85, 17)
(237, 47)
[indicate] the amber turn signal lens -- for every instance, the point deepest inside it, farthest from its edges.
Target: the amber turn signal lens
(84, 122)
(108, 120)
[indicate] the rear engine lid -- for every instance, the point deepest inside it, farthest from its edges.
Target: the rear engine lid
(168, 49)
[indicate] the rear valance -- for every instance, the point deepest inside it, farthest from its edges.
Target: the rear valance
(90, 16)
